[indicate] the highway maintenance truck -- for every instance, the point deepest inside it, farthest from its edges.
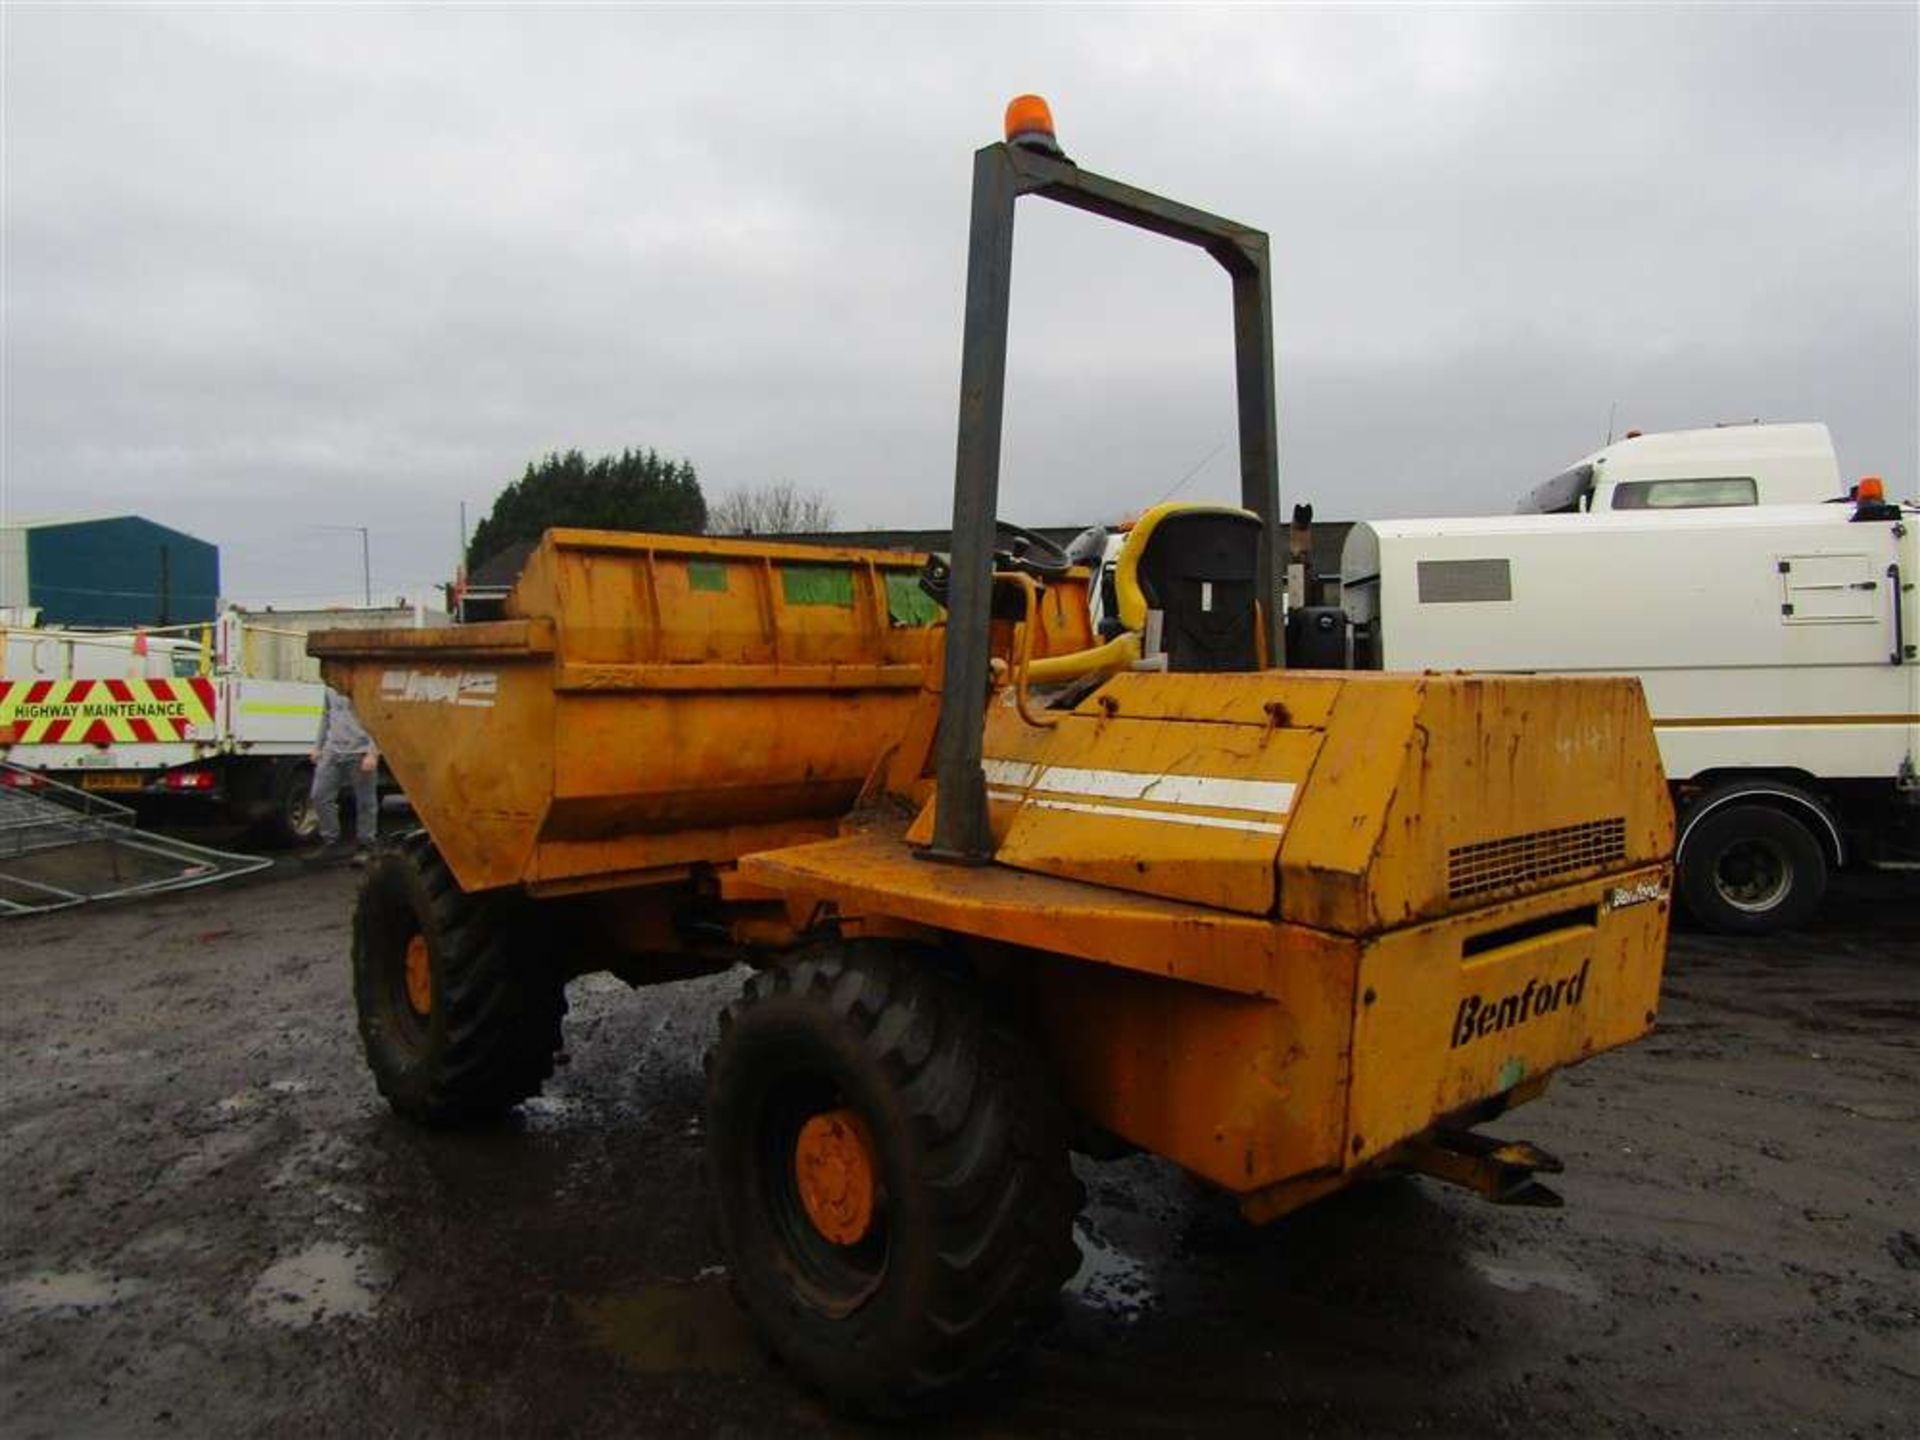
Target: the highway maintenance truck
(189, 719)
(1007, 888)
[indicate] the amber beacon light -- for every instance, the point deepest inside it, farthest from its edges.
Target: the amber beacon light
(1030, 124)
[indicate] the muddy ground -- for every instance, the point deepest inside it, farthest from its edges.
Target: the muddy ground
(209, 1225)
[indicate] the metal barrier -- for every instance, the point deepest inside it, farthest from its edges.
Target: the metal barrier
(61, 846)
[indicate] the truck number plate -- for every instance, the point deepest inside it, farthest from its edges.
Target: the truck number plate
(110, 782)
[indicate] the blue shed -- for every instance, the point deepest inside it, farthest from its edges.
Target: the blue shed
(115, 571)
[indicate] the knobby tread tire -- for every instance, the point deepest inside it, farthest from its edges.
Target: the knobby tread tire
(494, 1027)
(972, 1143)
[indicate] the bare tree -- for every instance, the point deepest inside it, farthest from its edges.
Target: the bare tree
(780, 509)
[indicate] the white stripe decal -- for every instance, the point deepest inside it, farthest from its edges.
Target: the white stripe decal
(1015, 773)
(1264, 796)
(1165, 817)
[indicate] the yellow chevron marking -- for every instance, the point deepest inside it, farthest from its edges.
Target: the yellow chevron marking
(97, 703)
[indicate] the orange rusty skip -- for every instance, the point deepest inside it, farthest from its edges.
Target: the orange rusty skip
(654, 702)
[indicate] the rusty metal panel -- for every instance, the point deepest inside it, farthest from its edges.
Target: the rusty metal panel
(512, 638)
(660, 762)
(1186, 809)
(1334, 839)
(469, 736)
(1244, 1092)
(872, 873)
(675, 702)
(1458, 1011)
(1560, 775)
(1265, 698)
(1437, 793)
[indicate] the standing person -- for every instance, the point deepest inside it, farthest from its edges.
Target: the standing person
(344, 755)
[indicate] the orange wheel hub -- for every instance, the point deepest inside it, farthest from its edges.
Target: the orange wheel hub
(419, 977)
(834, 1165)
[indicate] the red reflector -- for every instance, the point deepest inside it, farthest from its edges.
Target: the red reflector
(20, 780)
(188, 780)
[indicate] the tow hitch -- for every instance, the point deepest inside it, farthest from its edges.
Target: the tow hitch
(1504, 1171)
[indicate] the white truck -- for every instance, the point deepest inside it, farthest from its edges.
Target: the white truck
(192, 718)
(1724, 466)
(1776, 645)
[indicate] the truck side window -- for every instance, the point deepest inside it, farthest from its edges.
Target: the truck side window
(1685, 494)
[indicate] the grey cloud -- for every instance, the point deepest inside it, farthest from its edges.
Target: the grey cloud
(275, 266)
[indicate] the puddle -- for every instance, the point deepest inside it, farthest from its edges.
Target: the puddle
(212, 1153)
(1109, 1279)
(252, 1098)
(672, 1328)
(1520, 1276)
(313, 1163)
(325, 1281)
(53, 1292)
(1879, 1110)
(162, 1244)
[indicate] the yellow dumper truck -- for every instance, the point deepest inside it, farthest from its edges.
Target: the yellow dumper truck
(1008, 886)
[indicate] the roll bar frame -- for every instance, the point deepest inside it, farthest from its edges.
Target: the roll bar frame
(1002, 174)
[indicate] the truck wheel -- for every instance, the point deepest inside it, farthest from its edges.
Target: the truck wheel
(889, 1172)
(277, 806)
(1752, 870)
(459, 1023)
(294, 817)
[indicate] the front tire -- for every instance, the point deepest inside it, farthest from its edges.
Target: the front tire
(459, 1024)
(889, 1170)
(1752, 870)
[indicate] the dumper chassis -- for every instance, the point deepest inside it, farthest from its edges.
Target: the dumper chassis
(1007, 886)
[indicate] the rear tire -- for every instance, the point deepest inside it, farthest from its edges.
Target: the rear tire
(458, 1022)
(969, 1234)
(279, 806)
(1752, 870)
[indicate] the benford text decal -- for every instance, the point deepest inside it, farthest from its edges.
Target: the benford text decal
(441, 687)
(1623, 897)
(1479, 1017)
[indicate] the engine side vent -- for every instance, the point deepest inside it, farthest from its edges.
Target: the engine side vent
(1519, 860)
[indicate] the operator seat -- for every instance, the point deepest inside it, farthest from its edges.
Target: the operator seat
(1199, 567)
(1182, 594)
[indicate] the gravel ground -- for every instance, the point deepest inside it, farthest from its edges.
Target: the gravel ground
(209, 1225)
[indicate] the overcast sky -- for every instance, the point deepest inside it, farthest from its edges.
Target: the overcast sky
(268, 269)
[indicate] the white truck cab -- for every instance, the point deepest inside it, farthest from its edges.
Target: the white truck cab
(1727, 465)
